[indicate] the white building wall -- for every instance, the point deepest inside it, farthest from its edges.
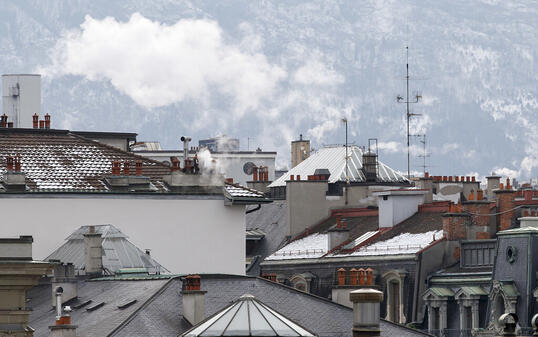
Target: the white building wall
(21, 107)
(185, 236)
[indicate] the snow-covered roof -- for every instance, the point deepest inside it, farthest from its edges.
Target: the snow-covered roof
(310, 247)
(333, 158)
(405, 243)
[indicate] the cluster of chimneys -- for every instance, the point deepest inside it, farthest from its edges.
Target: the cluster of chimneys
(116, 168)
(191, 165)
(269, 276)
(13, 164)
(260, 173)
(357, 277)
(463, 179)
(41, 124)
(36, 123)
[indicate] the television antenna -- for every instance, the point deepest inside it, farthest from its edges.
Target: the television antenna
(425, 154)
(400, 99)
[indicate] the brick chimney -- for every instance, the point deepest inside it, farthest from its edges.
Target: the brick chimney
(366, 315)
(505, 205)
(93, 252)
(455, 224)
(193, 299)
(14, 179)
(63, 327)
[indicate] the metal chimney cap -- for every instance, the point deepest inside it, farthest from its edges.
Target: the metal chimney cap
(366, 295)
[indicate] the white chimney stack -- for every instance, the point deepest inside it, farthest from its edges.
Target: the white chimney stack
(366, 316)
(93, 252)
(193, 300)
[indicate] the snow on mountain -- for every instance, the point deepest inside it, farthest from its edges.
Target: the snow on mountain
(270, 70)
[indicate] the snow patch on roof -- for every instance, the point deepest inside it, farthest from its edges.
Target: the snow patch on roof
(310, 247)
(405, 243)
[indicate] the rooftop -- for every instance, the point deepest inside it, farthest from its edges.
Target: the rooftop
(333, 159)
(60, 161)
(118, 252)
(154, 307)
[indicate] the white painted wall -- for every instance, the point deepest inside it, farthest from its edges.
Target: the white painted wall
(185, 236)
(399, 206)
(21, 108)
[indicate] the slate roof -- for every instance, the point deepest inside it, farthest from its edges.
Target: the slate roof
(247, 316)
(64, 161)
(118, 252)
(158, 309)
(271, 219)
(333, 159)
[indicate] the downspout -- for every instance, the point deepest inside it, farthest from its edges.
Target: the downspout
(417, 286)
(254, 209)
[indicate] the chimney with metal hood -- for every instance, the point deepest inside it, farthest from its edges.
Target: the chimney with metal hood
(366, 315)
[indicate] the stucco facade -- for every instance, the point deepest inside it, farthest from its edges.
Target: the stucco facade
(187, 234)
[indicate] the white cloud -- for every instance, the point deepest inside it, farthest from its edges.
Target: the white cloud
(158, 65)
(316, 73)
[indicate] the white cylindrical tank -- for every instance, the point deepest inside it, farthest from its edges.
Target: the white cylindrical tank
(21, 98)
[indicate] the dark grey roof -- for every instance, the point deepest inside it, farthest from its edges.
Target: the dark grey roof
(118, 252)
(158, 310)
(271, 219)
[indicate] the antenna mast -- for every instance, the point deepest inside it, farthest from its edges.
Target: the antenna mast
(424, 153)
(407, 102)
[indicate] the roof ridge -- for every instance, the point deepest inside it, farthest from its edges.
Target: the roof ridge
(143, 306)
(113, 148)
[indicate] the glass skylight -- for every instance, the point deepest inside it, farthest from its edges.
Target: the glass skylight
(247, 317)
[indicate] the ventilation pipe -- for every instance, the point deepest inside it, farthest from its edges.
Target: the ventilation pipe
(185, 141)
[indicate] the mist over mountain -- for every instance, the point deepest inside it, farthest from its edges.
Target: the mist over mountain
(269, 71)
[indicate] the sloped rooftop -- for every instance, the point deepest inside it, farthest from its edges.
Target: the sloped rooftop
(158, 307)
(365, 238)
(56, 160)
(333, 159)
(63, 161)
(247, 317)
(118, 251)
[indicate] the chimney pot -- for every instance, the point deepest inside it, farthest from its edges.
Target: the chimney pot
(362, 276)
(116, 167)
(341, 273)
(138, 169)
(479, 195)
(9, 163)
(292, 177)
(35, 121)
(47, 121)
(457, 179)
(17, 163)
(450, 178)
(473, 179)
(298, 177)
(255, 173)
(230, 180)
(41, 124)
(426, 174)
(354, 276)
(10, 124)
(3, 121)
(126, 168)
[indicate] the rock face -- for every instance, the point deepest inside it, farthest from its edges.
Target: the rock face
(474, 63)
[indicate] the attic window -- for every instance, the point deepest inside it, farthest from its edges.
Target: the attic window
(126, 304)
(95, 306)
(385, 197)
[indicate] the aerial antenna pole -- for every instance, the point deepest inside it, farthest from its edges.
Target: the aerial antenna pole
(424, 153)
(407, 102)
